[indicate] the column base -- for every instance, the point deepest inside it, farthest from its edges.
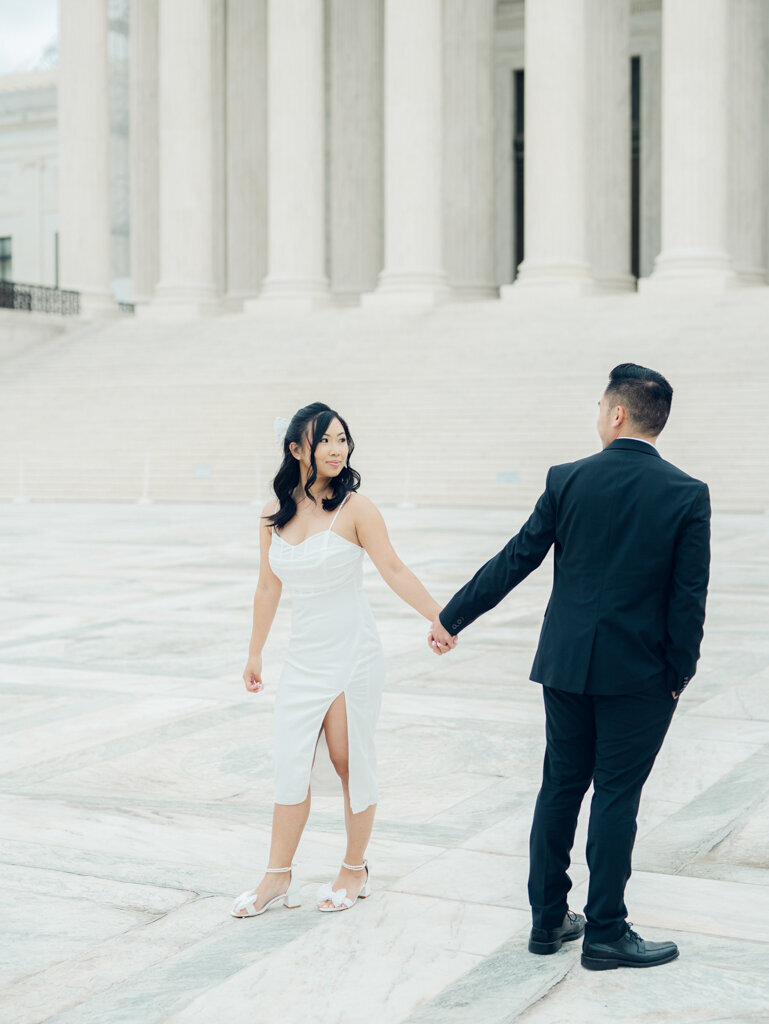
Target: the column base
(181, 302)
(618, 283)
(408, 290)
(751, 276)
(291, 294)
(689, 270)
(559, 278)
(234, 302)
(473, 291)
(347, 296)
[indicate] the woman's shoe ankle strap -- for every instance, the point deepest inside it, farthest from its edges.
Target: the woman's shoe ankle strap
(278, 871)
(354, 867)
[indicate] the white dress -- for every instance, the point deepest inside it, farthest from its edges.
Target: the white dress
(333, 648)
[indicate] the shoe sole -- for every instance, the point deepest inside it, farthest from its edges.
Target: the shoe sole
(546, 948)
(592, 963)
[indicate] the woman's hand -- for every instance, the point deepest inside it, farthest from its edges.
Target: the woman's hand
(252, 674)
(439, 639)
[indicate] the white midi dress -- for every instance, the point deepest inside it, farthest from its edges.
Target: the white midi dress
(333, 648)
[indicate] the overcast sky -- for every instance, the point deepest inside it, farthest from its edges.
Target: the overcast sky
(26, 28)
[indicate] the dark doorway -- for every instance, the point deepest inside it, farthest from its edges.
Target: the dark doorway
(635, 167)
(6, 259)
(518, 124)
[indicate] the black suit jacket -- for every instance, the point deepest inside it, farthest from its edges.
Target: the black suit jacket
(632, 558)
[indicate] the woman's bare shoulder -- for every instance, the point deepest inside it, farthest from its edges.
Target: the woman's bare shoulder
(268, 510)
(359, 501)
(363, 508)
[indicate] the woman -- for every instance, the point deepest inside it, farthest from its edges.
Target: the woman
(312, 540)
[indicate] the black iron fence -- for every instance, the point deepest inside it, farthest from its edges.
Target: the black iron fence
(38, 298)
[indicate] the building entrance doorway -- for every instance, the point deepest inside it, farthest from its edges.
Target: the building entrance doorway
(518, 158)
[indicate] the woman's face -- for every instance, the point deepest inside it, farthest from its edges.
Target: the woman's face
(331, 451)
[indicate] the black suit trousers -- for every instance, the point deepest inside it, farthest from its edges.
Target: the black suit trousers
(613, 742)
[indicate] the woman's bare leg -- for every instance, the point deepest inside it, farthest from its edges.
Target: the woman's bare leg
(288, 821)
(358, 825)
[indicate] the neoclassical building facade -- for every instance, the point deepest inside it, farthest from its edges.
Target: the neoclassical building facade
(309, 152)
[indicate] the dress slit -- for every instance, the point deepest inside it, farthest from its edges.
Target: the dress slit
(322, 743)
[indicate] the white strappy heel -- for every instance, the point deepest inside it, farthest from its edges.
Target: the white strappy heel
(247, 900)
(339, 897)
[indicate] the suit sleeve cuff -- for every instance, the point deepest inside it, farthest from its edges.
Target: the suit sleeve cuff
(452, 623)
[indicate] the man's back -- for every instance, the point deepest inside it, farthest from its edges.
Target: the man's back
(632, 553)
(628, 529)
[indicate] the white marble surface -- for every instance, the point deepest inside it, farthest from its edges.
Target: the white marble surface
(135, 794)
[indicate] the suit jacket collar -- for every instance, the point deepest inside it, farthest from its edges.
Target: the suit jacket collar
(629, 444)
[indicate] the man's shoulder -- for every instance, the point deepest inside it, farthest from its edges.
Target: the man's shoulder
(563, 470)
(598, 463)
(680, 480)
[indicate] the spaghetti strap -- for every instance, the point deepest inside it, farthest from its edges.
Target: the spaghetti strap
(341, 506)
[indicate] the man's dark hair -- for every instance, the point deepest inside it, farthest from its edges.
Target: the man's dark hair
(645, 395)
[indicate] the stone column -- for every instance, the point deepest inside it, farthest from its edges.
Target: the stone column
(355, 152)
(577, 160)
(246, 149)
(188, 283)
(695, 158)
(764, 214)
(296, 154)
(646, 42)
(608, 150)
(143, 78)
(84, 148)
(468, 148)
(413, 271)
(555, 189)
(748, 138)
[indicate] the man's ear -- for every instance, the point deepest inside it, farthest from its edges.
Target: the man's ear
(619, 415)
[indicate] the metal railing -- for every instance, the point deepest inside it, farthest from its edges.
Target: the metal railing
(38, 298)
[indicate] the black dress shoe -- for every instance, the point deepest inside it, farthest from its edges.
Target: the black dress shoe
(629, 951)
(550, 940)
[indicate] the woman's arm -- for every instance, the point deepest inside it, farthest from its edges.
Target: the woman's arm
(266, 598)
(373, 537)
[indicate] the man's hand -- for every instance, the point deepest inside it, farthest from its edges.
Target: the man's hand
(439, 639)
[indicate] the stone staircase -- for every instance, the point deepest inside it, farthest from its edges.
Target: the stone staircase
(465, 406)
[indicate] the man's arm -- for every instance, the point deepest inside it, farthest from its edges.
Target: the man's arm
(499, 575)
(688, 592)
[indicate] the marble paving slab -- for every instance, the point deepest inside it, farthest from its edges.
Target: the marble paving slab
(136, 794)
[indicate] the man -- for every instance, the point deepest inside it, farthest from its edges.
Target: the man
(620, 641)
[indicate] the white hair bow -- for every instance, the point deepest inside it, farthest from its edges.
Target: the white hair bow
(281, 429)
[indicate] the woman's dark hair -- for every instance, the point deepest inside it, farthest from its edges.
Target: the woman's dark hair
(311, 422)
(646, 395)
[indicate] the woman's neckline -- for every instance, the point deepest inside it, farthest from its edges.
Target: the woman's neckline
(318, 533)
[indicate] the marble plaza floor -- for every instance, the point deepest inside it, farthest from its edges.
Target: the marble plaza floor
(135, 794)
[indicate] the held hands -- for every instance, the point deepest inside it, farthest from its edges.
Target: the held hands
(252, 674)
(439, 639)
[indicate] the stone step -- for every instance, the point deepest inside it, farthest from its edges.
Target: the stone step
(466, 406)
